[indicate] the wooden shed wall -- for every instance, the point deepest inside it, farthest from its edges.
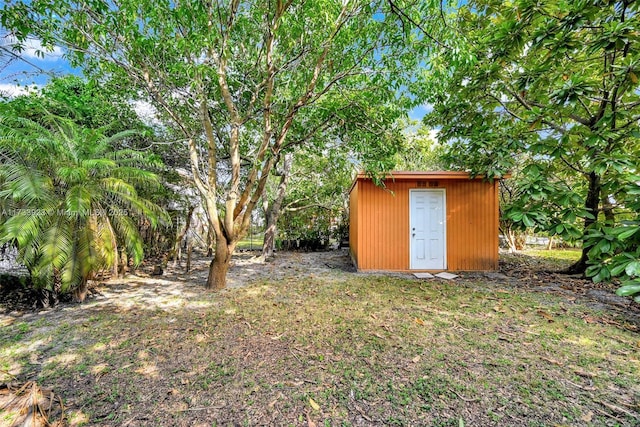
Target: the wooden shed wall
(353, 223)
(381, 224)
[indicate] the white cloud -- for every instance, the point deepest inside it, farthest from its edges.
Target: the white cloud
(33, 49)
(12, 90)
(146, 112)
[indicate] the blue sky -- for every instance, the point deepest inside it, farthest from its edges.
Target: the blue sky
(418, 112)
(31, 68)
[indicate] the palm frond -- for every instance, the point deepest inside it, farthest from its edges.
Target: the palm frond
(119, 187)
(106, 243)
(62, 175)
(57, 243)
(25, 183)
(128, 232)
(98, 166)
(72, 174)
(121, 136)
(78, 201)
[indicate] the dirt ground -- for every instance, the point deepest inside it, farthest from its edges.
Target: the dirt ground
(515, 270)
(236, 363)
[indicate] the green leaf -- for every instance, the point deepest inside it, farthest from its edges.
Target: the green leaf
(527, 221)
(604, 246)
(633, 269)
(628, 290)
(602, 275)
(615, 271)
(628, 232)
(592, 270)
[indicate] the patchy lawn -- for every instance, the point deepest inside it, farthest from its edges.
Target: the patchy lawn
(320, 346)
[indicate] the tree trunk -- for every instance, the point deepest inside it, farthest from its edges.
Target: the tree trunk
(220, 264)
(80, 293)
(177, 246)
(209, 242)
(269, 244)
(510, 236)
(511, 241)
(591, 204)
(189, 250)
(124, 262)
(607, 209)
(275, 209)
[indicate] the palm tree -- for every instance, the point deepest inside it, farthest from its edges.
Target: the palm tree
(72, 198)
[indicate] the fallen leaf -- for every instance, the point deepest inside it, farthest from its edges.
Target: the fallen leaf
(314, 405)
(419, 321)
(582, 373)
(546, 316)
(416, 359)
(294, 384)
(310, 422)
(552, 361)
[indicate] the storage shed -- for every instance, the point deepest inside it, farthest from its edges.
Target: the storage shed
(424, 221)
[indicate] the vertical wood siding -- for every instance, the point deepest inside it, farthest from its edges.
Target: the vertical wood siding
(353, 223)
(472, 225)
(380, 221)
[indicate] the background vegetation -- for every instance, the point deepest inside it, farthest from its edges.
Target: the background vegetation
(255, 109)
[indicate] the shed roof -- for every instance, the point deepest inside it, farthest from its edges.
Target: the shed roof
(405, 175)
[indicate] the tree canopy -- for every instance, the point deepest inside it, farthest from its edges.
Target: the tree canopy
(238, 83)
(70, 201)
(551, 88)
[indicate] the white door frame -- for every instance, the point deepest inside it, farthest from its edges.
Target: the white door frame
(443, 192)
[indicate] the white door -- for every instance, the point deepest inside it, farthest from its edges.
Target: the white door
(427, 229)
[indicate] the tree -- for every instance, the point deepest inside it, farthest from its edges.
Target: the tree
(70, 201)
(421, 151)
(235, 80)
(315, 184)
(556, 81)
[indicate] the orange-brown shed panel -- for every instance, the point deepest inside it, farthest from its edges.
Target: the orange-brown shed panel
(381, 231)
(353, 224)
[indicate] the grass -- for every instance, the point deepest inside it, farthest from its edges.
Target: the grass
(341, 349)
(554, 256)
(251, 242)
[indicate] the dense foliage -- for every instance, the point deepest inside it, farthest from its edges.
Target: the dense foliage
(550, 88)
(241, 83)
(316, 203)
(70, 201)
(545, 90)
